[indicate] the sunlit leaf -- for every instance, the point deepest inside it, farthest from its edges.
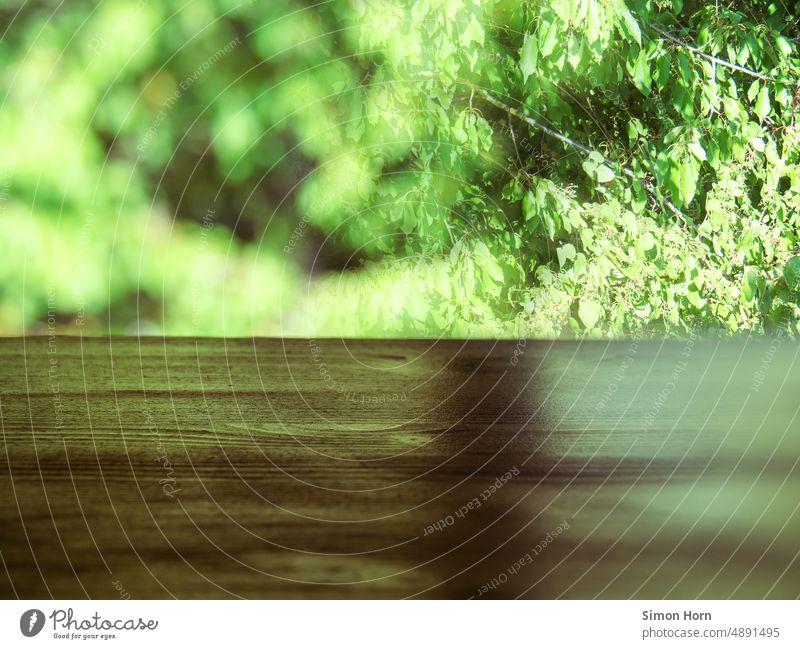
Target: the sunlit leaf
(762, 107)
(604, 174)
(529, 55)
(791, 273)
(631, 27)
(473, 33)
(565, 253)
(589, 312)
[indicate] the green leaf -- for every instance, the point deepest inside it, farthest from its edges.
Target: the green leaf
(604, 174)
(631, 27)
(762, 107)
(752, 92)
(473, 33)
(565, 253)
(486, 261)
(750, 286)
(731, 107)
(641, 73)
(633, 131)
(589, 312)
(549, 224)
(596, 157)
(409, 219)
(695, 299)
(785, 45)
(550, 38)
(689, 175)
(697, 151)
(645, 245)
(420, 9)
(589, 166)
(528, 56)
(592, 22)
(791, 273)
(579, 265)
(459, 131)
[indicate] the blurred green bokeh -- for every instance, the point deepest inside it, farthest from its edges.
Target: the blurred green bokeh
(148, 175)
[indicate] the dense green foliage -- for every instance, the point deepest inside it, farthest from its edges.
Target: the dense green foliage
(433, 167)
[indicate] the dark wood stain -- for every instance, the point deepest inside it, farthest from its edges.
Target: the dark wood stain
(318, 468)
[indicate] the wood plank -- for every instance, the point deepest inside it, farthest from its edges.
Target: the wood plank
(293, 468)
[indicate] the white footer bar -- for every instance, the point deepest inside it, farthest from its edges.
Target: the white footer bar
(388, 624)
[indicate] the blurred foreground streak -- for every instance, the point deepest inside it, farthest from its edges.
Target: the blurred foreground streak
(290, 468)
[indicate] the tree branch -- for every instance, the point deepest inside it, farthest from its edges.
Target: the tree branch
(582, 147)
(709, 57)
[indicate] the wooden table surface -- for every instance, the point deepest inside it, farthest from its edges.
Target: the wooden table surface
(155, 468)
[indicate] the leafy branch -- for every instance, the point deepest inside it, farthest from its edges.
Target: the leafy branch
(581, 147)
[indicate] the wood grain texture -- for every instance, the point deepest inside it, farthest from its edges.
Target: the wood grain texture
(293, 468)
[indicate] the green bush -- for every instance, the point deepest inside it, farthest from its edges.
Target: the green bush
(431, 167)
